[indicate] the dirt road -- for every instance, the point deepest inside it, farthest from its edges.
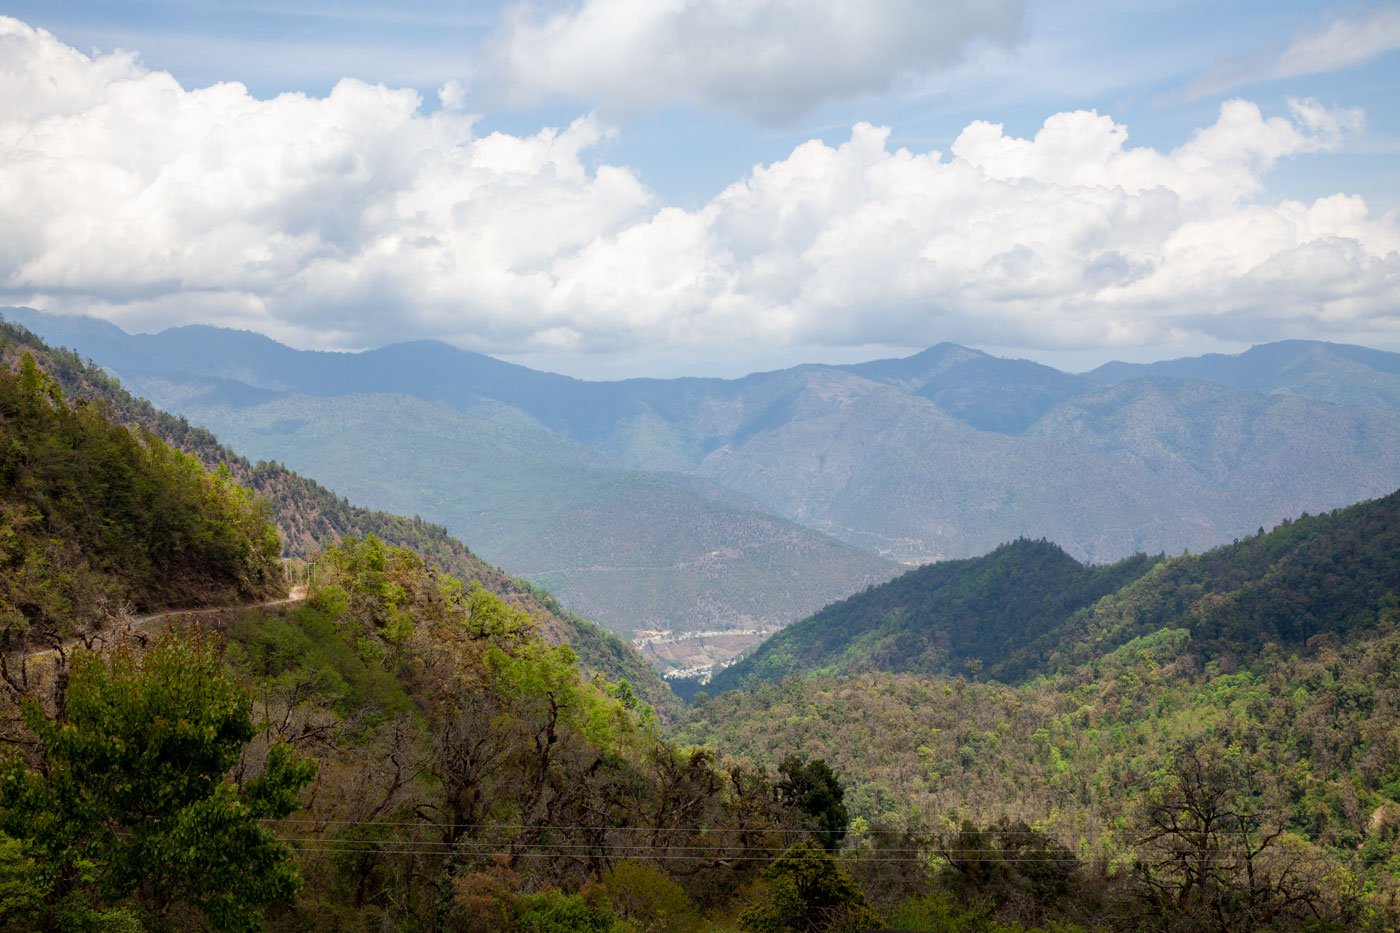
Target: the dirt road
(152, 621)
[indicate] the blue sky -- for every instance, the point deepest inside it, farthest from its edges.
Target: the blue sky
(657, 236)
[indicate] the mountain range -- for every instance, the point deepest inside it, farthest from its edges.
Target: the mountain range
(713, 505)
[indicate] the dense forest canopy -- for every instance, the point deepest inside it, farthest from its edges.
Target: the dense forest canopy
(1268, 666)
(96, 519)
(1028, 609)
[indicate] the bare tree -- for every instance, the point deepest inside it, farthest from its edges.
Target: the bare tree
(1210, 860)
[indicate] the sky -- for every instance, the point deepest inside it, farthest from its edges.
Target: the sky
(614, 188)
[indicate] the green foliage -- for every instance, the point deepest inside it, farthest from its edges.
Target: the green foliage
(1011, 863)
(604, 653)
(304, 651)
(1208, 859)
(944, 618)
(130, 801)
(93, 517)
(552, 911)
(21, 886)
(309, 517)
(1077, 757)
(812, 788)
(808, 891)
(942, 913)
(504, 752)
(645, 898)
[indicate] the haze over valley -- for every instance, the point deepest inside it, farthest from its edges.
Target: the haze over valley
(706, 505)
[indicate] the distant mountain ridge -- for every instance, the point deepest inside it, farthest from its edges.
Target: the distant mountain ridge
(820, 474)
(1330, 372)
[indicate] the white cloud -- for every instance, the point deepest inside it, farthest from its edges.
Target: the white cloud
(771, 59)
(357, 219)
(1344, 43)
(453, 95)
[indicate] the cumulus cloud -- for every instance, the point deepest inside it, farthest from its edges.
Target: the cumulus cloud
(357, 219)
(1344, 43)
(770, 59)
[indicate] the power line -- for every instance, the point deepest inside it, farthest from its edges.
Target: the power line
(847, 856)
(428, 824)
(332, 844)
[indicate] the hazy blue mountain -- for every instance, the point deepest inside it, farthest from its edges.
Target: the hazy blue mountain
(986, 392)
(1331, 372)
(1307, 455)
(492, 473)
(1143, 466)
(652, 546)
(943, 454)
(556, 512)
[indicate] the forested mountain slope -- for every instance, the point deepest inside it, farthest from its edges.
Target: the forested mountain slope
(399, 750)
(943, 618)
(1028, 608)
(309, 516)
(497, 454)
(1297, 748)
(95, 520)
(471, 779)
(1236, 707)
(1322, 575)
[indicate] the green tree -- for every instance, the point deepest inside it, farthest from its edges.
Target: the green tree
(808, 891)
(129, 803)
(1013, 868)
(21, 894)
(812, 788)
(552, 911)
(646, 898)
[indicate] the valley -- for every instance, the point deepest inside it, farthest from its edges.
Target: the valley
(716, 505)
(695, 656)
(701, 466)
(968, 711)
